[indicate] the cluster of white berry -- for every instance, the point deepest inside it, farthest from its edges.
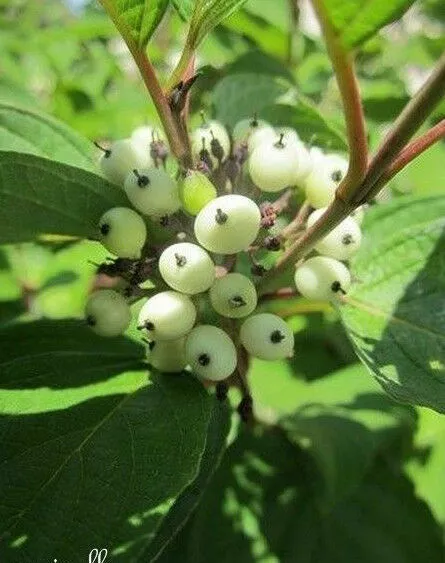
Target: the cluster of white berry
(223, 222)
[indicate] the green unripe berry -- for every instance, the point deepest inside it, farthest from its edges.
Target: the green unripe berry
(267, 337)
(322, 278)
(324, 179)
(228, 224)
(210, 352)
(167, 356)
(196, 191)
(152, 192)
(123, 232)
(167, 316)
(107, 313)
(233, 296)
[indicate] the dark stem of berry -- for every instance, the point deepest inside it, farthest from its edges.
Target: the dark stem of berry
(337, 176)
(143, 181)
(245, 408)
(347, 239)
(204, 360)
(277, 336)
(107, 152)
(91, 321)
(148, 325)
(221, 217)
(105, 229)
(237, 301)
(151, 345)
(221, 391)
(280, 144)
(254, 122)
(337, 288)
(180, 260)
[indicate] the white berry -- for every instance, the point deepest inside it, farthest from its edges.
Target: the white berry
(121, 158)
(267, 337)
(246, 127)
(107, 313)
(233, 296)
(228, 224)
(322, 182)
(187, 268)
(167, 356)
(123, 232)
(272, 165)
(322, 278)
(152, 192)
(202, 138)
(259, 136)
(342, 242)
(146, 134)
(167, 316)
(210, 352)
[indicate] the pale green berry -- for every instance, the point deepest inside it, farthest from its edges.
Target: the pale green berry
(324, 179)
(203, 136)
(107, 313)
(123, 232)
(246, 127)
(152, 192)
(322, 278)
(290, 136)
(342, 242)
(261, 135)
(121, 158)
(267, 337)
(167, 356)
(196, 191)
(168, 315)
(233, 296)
(272, 165)
(228, 224)
(187, 268)
(210, 352)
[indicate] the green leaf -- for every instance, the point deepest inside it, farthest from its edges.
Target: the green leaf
(42, 197)
(262, 505)
(358, 20)
(311, 125)
(394, 313)
(73, 358)
(175, 520)
(136, 19)
(184, 8)
(207, 14)
(94, 454)
(25, 131)
(240, 96)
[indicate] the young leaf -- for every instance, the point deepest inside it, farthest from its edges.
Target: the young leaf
(357, 20)
(25, 131)
(394, 312)
(43, 197)
(100, 451)
(136, 19)
(208, 14)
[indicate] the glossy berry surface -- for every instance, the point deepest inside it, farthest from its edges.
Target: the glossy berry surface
(187, 267)
(121, 158)
(167, 356)
(233, 296)
(167, 316)
(122, 231)
(228, 224)
(196, 192)
(322, 278)
(107, 313)
(267, 336)
(342, 242)
(152, 192)
(210, 352)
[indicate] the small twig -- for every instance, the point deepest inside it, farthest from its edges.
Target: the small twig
(409, 153)
(298, 222)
